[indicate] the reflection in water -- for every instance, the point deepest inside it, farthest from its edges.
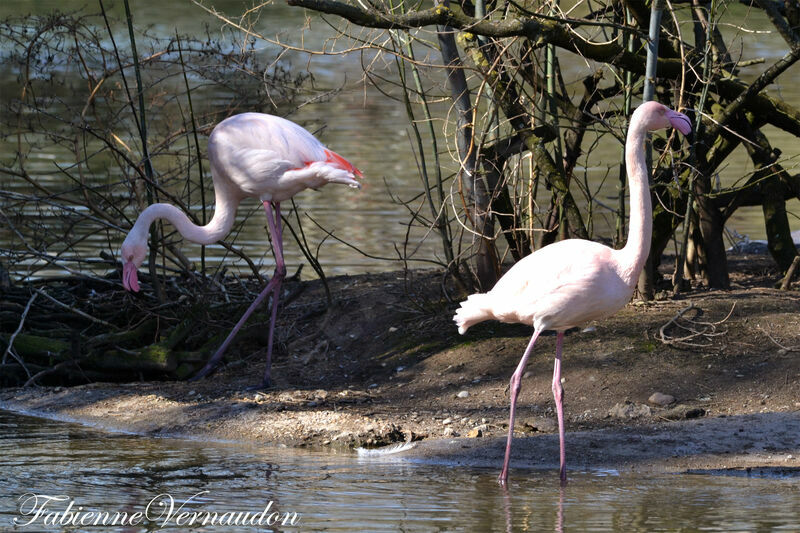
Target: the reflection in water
(560, 510)
(558, 525)
(338, 492)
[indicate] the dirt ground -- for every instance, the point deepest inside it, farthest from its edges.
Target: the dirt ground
(386, 365)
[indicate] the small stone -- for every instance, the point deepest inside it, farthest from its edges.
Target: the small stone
(400, 369)
(450, 432)
(447, 421)
(589, 329)
(343, 435)
(474, 433)
(527, 374)
(539, 424)
(696, 412)
(681, 412)
(661, 399)
(463, 394)
(392, 329)
(629, 410)
(320, 394)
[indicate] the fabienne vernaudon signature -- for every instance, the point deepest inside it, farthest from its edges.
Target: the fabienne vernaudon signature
(163, 510)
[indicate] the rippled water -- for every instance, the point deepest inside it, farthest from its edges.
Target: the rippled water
(115, 473)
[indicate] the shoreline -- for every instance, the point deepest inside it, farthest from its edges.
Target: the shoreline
(376, 371)
(758, 440)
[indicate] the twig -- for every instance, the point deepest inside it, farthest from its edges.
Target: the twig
(8, 350)
(77, 311)
(779, 345)
(47, 372)
(306, 250)
(696, 329)
(787, 279)
(197, 149)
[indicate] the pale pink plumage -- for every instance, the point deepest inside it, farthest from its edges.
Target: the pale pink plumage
(251, 155)
(272, 158)
(555, 297)
(575, 281)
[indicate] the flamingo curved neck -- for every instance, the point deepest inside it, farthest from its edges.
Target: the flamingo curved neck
(640, 229)
(219, 226)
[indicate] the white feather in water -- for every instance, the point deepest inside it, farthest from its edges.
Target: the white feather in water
(386, 450)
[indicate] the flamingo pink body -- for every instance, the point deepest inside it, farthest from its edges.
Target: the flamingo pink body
(575, 281)
(251, 155)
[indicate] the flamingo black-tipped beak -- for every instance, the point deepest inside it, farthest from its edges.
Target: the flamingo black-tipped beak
(358, 176)
(130, 277)
(679, 121)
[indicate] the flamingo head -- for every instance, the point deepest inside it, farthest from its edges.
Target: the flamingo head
(133, 253)
(656, 116)
(351, 174)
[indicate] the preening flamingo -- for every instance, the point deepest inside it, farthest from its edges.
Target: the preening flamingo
(575, 281)
(251, 155)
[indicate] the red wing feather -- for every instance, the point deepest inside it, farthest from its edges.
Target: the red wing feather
(341, 162)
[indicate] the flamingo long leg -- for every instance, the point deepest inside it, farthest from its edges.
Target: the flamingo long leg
(515, 384)
(273, 286)
(280, 272)
(558, 395)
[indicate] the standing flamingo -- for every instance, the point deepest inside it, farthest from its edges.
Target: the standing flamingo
(251, 155)
(574, 281)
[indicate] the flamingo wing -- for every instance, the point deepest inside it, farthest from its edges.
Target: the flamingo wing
(257, 154)
(560, 286)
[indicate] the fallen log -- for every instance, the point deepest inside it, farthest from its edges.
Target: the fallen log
(104, 356)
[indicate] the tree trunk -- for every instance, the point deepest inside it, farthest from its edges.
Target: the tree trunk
(772, 181)
(647, 278)
(508, 99)
(473, 187)
(776, 222)
(711, 225)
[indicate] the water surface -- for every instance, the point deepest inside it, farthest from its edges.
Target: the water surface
(111, 473)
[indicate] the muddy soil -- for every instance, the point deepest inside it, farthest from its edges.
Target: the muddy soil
(385, 365)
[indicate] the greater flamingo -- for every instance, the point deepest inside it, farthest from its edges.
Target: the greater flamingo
(575, 281)
(251, 155)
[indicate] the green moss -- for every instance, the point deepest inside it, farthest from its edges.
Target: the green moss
(648, 346)
(35, 345)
